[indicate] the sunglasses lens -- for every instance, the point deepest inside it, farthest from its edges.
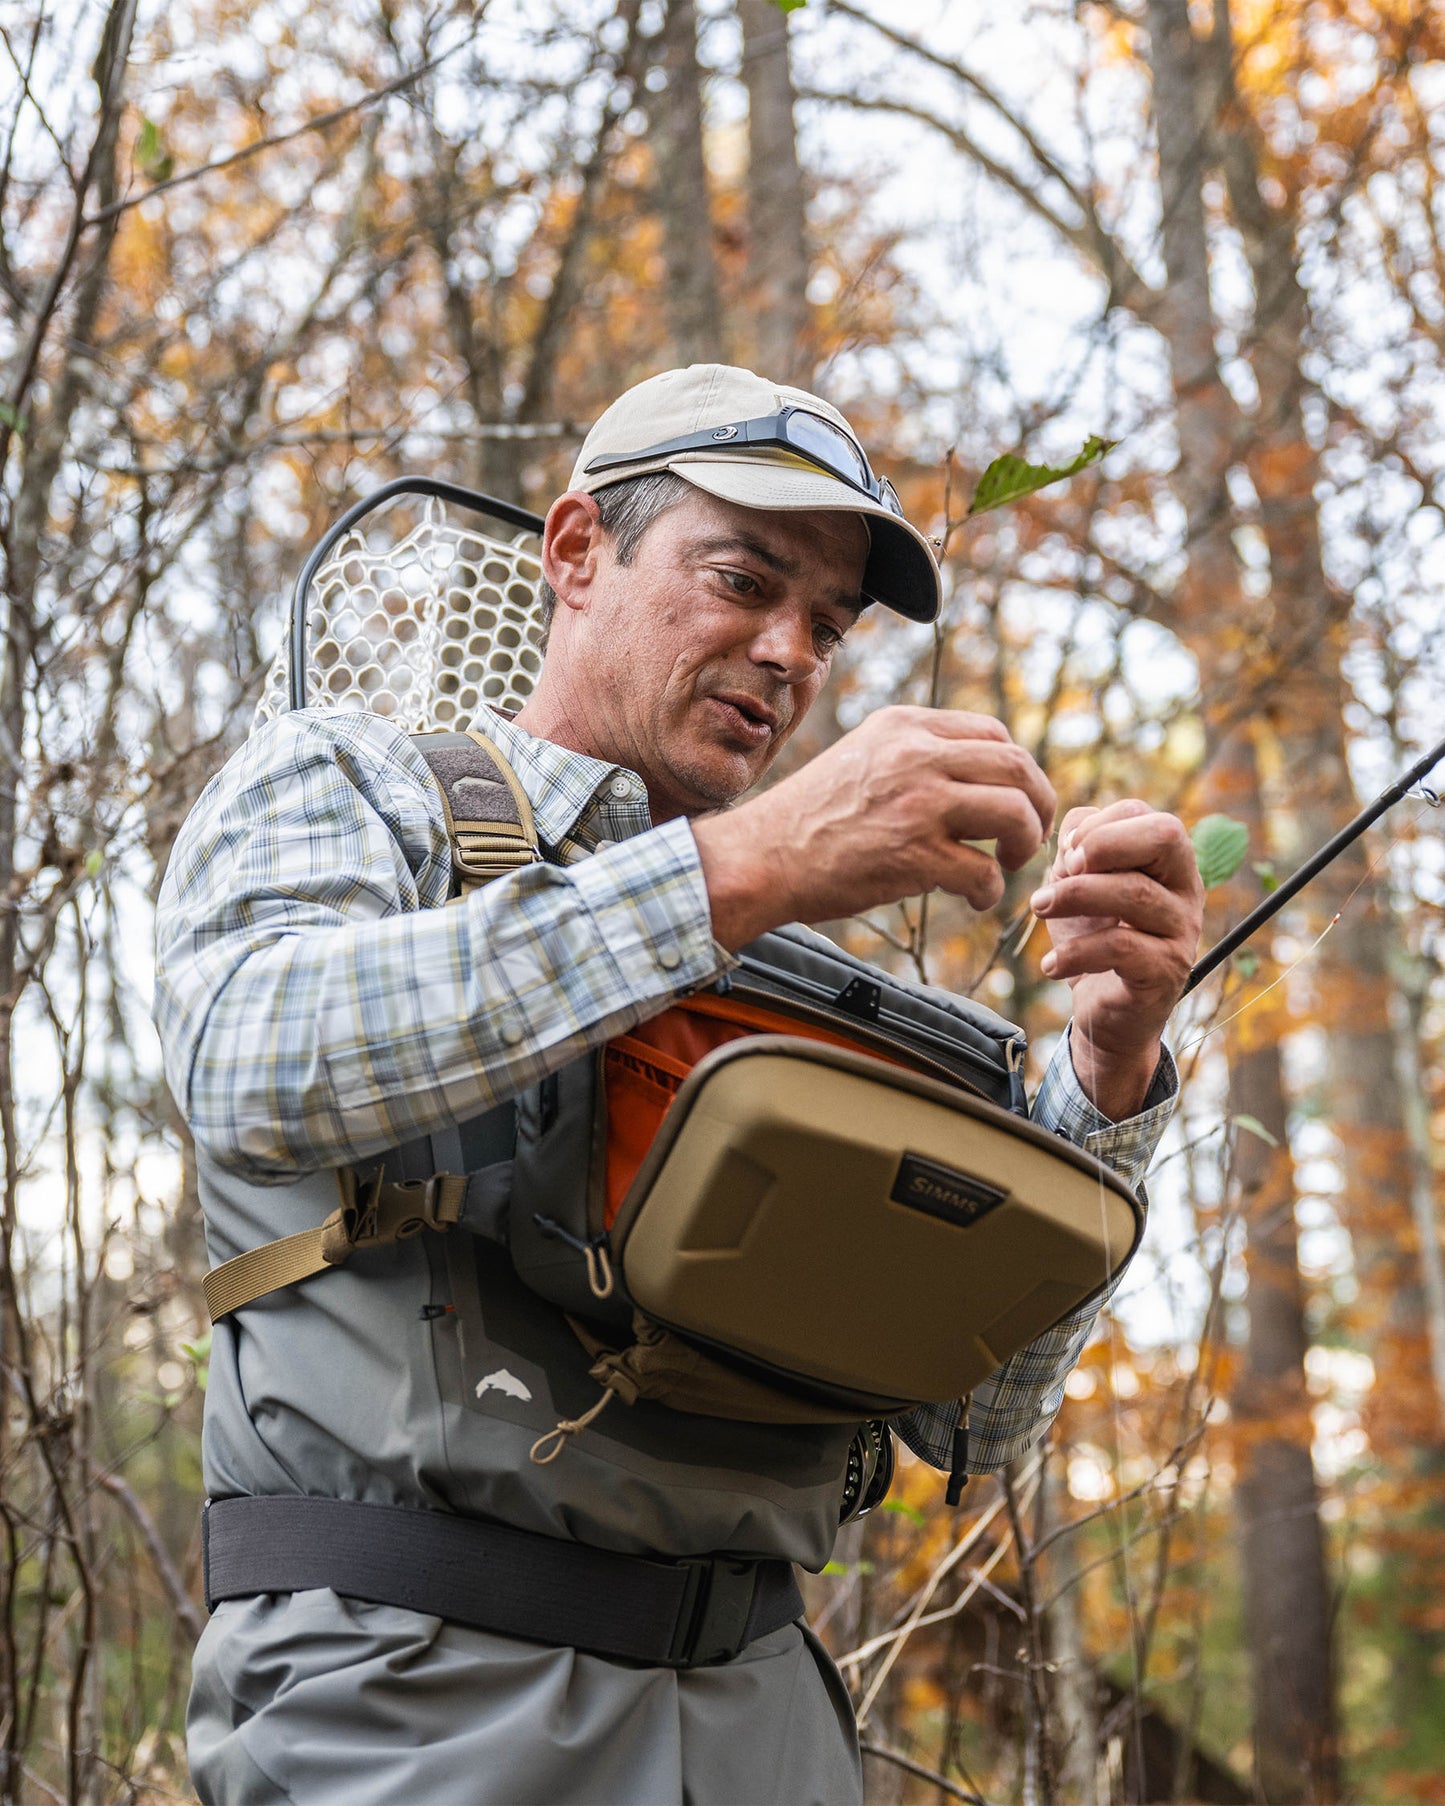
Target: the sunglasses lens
(834, 450)
(888, 495)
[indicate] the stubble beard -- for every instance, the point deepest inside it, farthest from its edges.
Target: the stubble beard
(701, 787)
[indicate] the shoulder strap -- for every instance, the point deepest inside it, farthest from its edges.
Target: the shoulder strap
(490, 827)
(488, 815)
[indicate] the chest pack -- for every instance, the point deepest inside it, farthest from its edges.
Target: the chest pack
(808, 1194)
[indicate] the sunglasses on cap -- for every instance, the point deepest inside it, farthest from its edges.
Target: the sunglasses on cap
(796, 430)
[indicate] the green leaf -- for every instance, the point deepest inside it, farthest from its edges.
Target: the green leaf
(904, 1510)
(1220, 844)
(1010, 479)
(1264, 871)
(94, 863)
(1246, 962)
(1253, 1126)
(849, 1567)
(790, 6)
(13, 418)
(150, 152)
(198, 1353)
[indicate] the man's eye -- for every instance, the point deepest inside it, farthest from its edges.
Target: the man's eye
(741, 583)
(828, 637)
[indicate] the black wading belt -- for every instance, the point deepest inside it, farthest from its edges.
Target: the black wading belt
(492, 1577)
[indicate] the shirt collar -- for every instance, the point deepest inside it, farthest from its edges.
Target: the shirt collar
(577, 802)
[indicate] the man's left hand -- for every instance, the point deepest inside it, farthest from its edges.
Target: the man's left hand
(1124, 906)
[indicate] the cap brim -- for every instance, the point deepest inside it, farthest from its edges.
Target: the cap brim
(901, 573)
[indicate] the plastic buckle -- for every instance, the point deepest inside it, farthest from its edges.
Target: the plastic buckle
(423, 1205)
(712, 1620)
(431, 1189)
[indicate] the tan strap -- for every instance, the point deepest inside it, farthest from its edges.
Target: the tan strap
(373, 1213)
(489, 824)
(261, 1270)
(487, 812)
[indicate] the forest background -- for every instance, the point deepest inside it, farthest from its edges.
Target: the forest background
(257, 256)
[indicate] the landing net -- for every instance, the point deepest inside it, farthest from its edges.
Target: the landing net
(425, 629)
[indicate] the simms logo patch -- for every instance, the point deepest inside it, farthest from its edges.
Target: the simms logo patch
(940, 1191)
(502, 1381)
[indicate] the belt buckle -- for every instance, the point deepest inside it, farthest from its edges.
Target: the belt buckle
(712, 1619)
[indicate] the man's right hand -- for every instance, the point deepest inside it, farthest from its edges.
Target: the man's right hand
(879, 816)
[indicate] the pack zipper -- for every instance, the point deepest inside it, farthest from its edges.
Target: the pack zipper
(822, 1008)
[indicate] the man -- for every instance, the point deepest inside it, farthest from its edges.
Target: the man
(720, 536)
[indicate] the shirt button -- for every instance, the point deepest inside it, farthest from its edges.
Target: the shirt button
(512, 1031)
(669, 958)
(622, 787)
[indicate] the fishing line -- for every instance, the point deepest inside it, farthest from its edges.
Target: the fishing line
(1260, 996)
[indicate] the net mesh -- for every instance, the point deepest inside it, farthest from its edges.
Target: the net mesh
(425, 628)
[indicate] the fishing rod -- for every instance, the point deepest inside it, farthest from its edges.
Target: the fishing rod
(1312, 867)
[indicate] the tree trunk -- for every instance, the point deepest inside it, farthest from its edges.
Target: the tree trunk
(1074, 1685)
(777, 224)
(1309, 635)
(1286, 1584)
(694, 308)
(1288, 1606)
(71, 305)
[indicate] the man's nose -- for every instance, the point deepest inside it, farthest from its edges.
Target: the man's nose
(784, 642)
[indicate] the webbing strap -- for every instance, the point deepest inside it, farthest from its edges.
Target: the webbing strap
(265, 1269)
(374, 1212)
(496, 1578)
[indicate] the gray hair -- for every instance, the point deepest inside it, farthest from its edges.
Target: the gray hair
(626, 510)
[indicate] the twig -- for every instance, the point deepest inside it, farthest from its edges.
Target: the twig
(870, 1747)
(919, 1603)
(1038, 1757)
(182, 1604)
(323, 124)
(899, 1637)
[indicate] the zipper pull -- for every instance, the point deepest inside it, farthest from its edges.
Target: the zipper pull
(958, 1466)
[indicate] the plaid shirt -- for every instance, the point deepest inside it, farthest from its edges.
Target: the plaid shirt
(314, 1006)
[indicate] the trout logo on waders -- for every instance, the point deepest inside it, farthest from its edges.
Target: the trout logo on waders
(502, 1381)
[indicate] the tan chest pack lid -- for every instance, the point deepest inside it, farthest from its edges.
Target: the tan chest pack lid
(842, 1221)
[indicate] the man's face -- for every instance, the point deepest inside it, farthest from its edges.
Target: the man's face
(694, 663)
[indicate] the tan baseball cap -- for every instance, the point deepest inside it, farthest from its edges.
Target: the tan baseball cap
(762, 445)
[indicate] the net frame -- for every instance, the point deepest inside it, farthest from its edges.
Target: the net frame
(425, 627)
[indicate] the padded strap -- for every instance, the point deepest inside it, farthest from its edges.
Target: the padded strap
(373, 1213)
(490, 827)
(488, 814)
(493, 1577)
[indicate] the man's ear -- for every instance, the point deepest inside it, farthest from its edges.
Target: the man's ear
(571, 546)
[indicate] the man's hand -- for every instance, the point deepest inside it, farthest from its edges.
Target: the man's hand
(881, 815)
(1124, 906)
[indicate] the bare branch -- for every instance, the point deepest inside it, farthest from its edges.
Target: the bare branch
(323, 124)
(871, 1747)
(177, 1592)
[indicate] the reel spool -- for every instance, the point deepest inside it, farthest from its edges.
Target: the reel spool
(422, 618)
